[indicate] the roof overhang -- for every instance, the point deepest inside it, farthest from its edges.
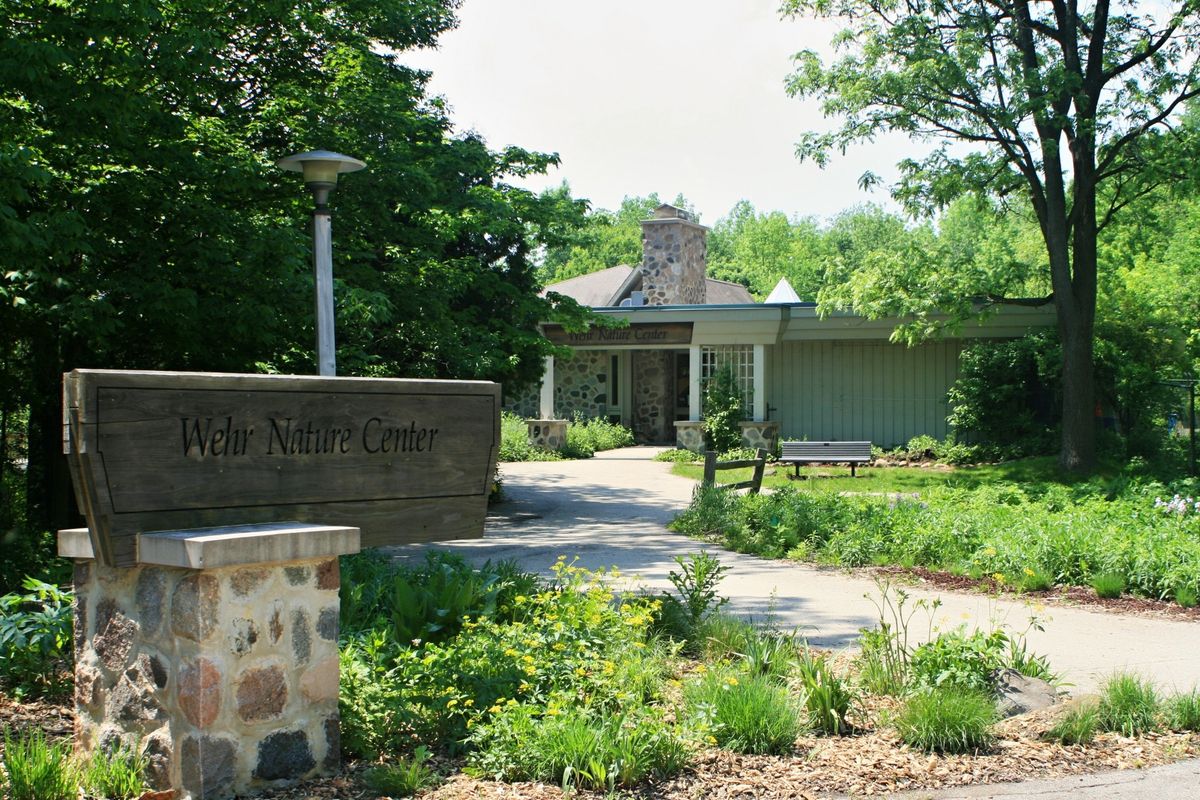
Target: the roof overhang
(783, 322)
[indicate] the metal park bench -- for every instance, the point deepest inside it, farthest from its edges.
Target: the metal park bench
(852, 453)
(712, 466)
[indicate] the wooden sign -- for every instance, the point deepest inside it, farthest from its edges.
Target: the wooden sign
(636, 334)
(403, 460)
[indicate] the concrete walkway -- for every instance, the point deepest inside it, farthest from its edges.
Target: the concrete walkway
(612, 510)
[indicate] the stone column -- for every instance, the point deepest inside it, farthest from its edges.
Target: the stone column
(548, 434)
(225, 676)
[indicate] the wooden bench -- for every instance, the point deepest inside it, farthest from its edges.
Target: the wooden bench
(852, 453)
(712, 466)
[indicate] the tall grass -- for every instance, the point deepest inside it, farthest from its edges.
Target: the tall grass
(947, 720)
(746, 713)
(38, 769)
(1129, 705)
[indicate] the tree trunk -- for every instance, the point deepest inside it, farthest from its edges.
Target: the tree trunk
(50, 498)
(1080, 419)
(1078, 453)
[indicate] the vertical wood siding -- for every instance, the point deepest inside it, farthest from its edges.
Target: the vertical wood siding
(878, 391)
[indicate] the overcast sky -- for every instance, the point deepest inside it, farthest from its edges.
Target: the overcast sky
(641, 96)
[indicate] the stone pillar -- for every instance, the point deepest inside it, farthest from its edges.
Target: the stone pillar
(549, 434)
(760, 434)
(674, 254)
(689, 435)
(225, 677)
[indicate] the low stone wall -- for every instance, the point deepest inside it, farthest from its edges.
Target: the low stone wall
(226, 679)
(550, 434)
(760, 434)
(689, 435)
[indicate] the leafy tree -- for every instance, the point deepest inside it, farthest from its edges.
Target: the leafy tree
(606, 239)
(757, 249)
(143, 223)
(1043, 99)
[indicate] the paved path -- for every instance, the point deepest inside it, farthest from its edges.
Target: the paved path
(611, 510)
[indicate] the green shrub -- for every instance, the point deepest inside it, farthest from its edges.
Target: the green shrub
(585, 437)
(749, 714)
(947, 720)
(1077, 725)
(695, 585)
(1183, 711)
(827, 697)
(40, 770)
(536, 645)
(712, 512)
(35, 639)
(678, 456)
(404, 778)
(1185, 596)
(576, 749)
(1065, 534)
(959, 660)
(1033, 579)
(1129, 705)
(514, 441)
(1004, 392)
(1108, 584)
(724, 408)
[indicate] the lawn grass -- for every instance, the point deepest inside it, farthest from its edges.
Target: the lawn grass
(830, 478)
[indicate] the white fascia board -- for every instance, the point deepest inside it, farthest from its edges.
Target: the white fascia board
(1006, 322)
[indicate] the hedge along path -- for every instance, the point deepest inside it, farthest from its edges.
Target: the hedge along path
(612, 510)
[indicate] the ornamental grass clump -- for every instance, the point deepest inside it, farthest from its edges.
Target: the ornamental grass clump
(1183, 711)
(115, 774)
(578, 749)
(1077, 725)
(745, 713)
(38, 769)
(947, 720)
(404, 778)
(1109, 585)
(1129, 705)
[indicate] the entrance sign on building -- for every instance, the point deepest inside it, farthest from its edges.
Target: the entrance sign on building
(638, 334)
(403, 460)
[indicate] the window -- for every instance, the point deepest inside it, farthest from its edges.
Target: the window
(740, 358)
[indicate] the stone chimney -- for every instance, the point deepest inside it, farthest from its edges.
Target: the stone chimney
(673, 258)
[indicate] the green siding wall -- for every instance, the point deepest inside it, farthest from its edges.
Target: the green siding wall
(848, 390)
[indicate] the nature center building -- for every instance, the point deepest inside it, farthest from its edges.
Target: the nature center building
(837, 378)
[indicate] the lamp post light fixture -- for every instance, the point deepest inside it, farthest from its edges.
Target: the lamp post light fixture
(321, 169)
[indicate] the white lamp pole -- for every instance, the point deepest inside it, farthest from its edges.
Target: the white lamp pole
(321, 169)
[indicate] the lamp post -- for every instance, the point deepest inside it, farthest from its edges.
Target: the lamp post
(321, 169)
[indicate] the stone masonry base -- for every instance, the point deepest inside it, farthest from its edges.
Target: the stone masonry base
(226, 679)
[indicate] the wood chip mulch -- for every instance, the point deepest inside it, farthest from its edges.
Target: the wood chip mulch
(872, 762)
(1077, 596)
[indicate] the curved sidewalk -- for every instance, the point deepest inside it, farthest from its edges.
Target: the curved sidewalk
(612, 510)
